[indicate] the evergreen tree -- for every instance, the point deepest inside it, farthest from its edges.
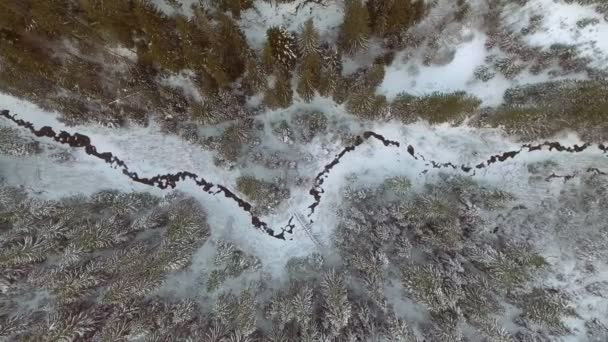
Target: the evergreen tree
(111, 19)
(280, 49)
(52, 17)
(203, 46)
(12, 16)
(330, 71)
(391, 17)
(310, 77)
(255, 77)
(281, 94)
(354, 32)
(159, 44)
(337, 307)
(232, 46)
(308, 40)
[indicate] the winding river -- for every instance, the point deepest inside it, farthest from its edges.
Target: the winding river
(77, 140)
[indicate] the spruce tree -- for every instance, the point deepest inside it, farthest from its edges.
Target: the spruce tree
(281, 94)
(280, 48)
(308, 40)
(330, 70)
(354, 32)
(232, 46)
(308, 44)
(391, 17)
(309, 77)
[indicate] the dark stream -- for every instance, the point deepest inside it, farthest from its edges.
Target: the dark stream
(170, 180)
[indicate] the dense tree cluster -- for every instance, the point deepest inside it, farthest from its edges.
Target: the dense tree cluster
(435, 108)
(544, 109)
(461, 273)
(66, 55)
(60, 53)
(405, 264)
(88, 259)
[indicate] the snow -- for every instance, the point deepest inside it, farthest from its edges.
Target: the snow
(124, 52)
(454, 76)
(416, 79)
(184, 81)
(255, 21)
(559, 26)
(150, 152)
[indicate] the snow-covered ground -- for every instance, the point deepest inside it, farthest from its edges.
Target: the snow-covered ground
(149, 152)
(560, 25)
(291, 15)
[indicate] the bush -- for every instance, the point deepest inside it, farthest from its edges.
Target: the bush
(266, 196)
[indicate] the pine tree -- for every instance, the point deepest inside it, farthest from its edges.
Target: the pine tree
(112, 19)
(232, 46)
(51, 17)
(280, 49)
(330, 71)
(310, 77)
(360, 101)
(308, 40)
(160, 43)
(391, 17)
(255, 76)
(281, 94)
(12, 16)
(337, 307)
(354, 32)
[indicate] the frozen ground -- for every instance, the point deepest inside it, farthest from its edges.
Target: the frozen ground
(150, 152)
(561, 23)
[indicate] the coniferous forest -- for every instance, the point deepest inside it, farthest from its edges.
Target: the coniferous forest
(304, 170)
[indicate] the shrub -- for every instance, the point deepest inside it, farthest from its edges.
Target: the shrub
(266, 196)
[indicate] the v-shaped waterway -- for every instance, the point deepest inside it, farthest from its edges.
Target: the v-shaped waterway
(77, 140)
